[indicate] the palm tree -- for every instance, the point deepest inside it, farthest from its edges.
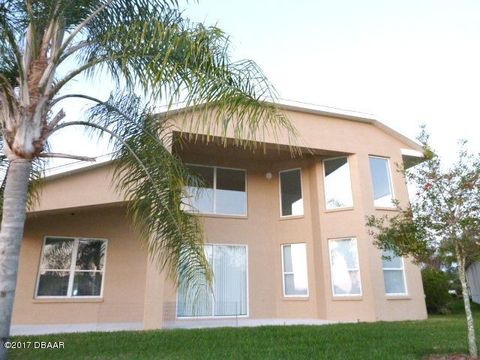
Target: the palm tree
(145, 47)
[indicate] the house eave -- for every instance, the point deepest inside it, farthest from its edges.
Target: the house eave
(322, 111)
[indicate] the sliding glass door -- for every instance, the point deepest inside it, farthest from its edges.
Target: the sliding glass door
(228, 294)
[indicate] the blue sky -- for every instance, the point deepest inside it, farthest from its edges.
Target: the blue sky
(407, 62)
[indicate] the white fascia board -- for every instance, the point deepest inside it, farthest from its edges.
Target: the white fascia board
(412, 153)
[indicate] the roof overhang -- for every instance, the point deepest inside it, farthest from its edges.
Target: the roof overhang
(316, 110)
(412, 155)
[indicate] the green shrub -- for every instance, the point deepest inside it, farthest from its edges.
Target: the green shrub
(436, 286)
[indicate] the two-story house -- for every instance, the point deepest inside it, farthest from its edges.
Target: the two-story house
(286, 237)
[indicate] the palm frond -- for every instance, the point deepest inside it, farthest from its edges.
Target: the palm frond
(155, 49)
(153, 180)
(146, 46)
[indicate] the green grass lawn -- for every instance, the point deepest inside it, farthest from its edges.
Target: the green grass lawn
(393, 340)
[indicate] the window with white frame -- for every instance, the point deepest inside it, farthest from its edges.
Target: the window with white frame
(222, 191)
(338, 187)
(291, 197)
(381, 181)
(295, 273)
(393, 274)
(344, 268)
(228, 293)
(71, 267)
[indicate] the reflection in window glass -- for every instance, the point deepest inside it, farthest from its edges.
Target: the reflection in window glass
(338, 189)
(201, 198)
(295, 277)
(57, 253)
(87, 283)
(291, 192)
(230, 194)
(393, 274)
(53, 283)
(90, 254)
(345, 271)
(62, 273)
(224, 191)
(382, 183)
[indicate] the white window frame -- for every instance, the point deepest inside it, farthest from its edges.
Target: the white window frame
(292, 273)
(354, 239)
(392, 206)
(215, 191)
(402, 269)
(213, 316)
(280, 193)
(72, 270)
(324, 183)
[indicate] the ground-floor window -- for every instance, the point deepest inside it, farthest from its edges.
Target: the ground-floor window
(393, 274)
(295, 274)
(227, 295)
(71, 267)
(344, 267)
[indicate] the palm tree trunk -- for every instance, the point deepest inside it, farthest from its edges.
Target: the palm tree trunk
(472, 341)
(11, 234)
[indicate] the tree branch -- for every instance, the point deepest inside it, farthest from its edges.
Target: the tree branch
(10, 37)
(80, 96)
(72, 49)
(71, 75)
(67, 156)
(116, 136)
(78, 71)
(60, 115)
(81, 26)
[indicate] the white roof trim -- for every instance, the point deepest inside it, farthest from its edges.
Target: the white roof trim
(413, 153)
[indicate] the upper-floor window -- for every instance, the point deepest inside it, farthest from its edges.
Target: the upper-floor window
(291, 197)
(338, 187)
(393, 274)
(382, 182)
(344, 267)
(295, 277)
(223, 191)
(71, 267)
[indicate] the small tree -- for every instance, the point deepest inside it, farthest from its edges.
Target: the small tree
(443, 219)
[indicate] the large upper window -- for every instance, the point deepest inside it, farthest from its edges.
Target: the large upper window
(393, 274)
(338, 188)
(344, 267)
(71, 267)
(229, 295)
(295, 278)
(291, 192)
(382, 182)
(223, 191)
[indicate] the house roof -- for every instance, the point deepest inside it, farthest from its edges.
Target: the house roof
(411, 155)
(353, 116)
(288, 105)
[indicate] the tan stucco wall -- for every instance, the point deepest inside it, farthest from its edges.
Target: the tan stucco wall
(124, 284)
(81, 188)
(262, 230)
